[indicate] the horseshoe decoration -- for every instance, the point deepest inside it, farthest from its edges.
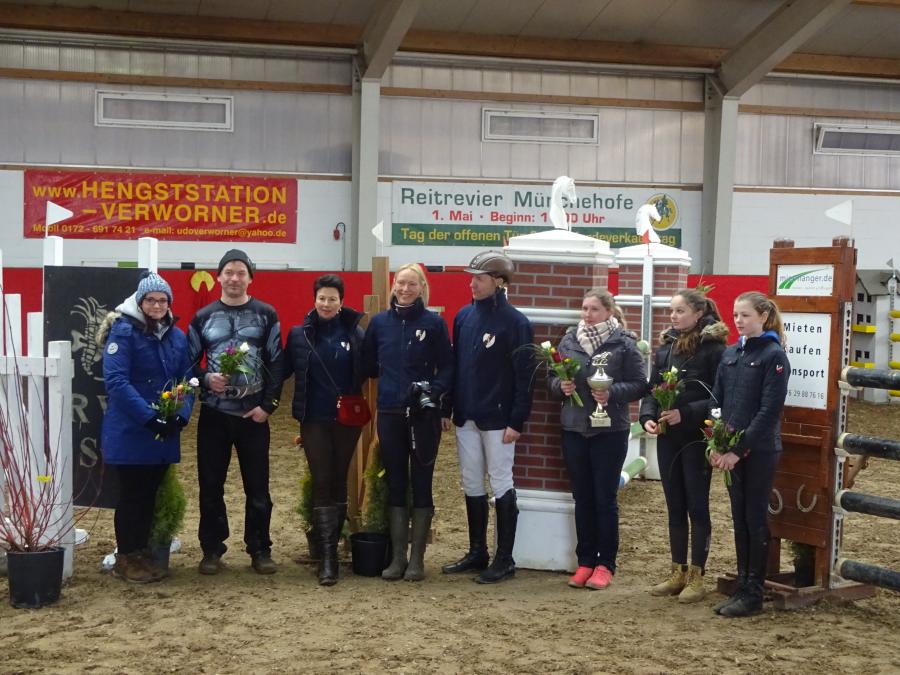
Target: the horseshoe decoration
(780, 506)
(812, 504)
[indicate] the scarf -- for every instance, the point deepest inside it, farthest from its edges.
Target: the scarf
(591, 337)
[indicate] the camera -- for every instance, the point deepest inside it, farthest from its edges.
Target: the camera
(420, 396)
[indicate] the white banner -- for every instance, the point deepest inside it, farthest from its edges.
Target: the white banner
(805, 280)
(808, 337)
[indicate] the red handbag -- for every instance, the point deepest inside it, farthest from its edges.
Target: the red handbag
(352, 410)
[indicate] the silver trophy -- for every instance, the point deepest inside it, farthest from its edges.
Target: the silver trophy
(600, 381)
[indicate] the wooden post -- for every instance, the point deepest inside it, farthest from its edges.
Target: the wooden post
(368, 439)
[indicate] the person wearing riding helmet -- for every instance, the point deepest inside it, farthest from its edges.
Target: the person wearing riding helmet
(491, 402)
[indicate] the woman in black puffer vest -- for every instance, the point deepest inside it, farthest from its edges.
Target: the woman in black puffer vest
(693, 346)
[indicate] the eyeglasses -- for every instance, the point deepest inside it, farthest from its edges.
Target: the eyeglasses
(158, 302)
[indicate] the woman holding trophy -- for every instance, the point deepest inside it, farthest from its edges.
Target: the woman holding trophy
(595, 439)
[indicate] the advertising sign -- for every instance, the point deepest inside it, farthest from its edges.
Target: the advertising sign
(172, 207)
(76, 300)
(484, 215)
(808, 337)
(805, 280)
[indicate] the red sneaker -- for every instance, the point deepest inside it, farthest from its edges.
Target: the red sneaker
(600, 579)
(582, 574)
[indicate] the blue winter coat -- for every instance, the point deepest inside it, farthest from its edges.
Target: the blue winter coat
(405, 347)
(751, 385)
(137, 367)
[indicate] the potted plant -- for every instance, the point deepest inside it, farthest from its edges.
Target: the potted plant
(305, 509)
(36, 515)
(370, 547)
(804, 558)
(168, 517)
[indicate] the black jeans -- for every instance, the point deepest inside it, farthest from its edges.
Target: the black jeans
(751, 484)
(685, 474)
(138, 484)
(329, 447)
(595, 465)
(216, 434)
(404, 465)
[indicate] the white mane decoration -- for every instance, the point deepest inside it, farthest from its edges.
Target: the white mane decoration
(562, 187)
(643, 226)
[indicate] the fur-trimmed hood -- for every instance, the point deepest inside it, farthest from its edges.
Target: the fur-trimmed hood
(712, 331)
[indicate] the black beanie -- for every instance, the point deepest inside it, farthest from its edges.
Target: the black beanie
(240, 256)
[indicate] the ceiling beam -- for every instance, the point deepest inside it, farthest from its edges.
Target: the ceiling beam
(384, 33)
(776, 38)
(217, 29)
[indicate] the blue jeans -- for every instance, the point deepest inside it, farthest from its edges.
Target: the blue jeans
(595, 464)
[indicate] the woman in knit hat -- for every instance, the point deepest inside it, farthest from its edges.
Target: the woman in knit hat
(144, 355)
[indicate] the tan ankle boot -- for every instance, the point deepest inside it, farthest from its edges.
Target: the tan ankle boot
(693, 588)
(673, 584)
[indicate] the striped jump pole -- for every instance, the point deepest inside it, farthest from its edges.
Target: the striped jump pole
(873, 505)
(856, 444)
(877, 378)
(865, 573)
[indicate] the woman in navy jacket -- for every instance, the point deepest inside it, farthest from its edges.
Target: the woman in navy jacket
(325, 357)
(751, 385)
(694, 346)
(144, 353)
(408, 348)
(594, 455)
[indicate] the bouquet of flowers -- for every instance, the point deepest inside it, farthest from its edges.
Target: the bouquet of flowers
(172, 398)
(232, 360)
(666, 392)
(565, 368)
(721, 437)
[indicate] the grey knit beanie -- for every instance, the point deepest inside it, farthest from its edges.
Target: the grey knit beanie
(151, 282)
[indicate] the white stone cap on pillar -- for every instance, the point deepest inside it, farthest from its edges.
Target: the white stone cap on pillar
(559, 246)
(662, 255)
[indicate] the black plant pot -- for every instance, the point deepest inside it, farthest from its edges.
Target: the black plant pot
(35, 577)
(160, 555)
(369, 552)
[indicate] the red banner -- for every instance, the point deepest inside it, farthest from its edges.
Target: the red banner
(174, 207)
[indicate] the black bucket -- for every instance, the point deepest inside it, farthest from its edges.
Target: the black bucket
(35, 577)
(369, 551)
(160, 555)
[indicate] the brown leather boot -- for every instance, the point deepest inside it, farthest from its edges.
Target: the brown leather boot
(673, 584)
(130, 567)
(694, 590)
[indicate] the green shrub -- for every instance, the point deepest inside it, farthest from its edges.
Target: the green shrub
(375, 518)
(305, 503)
(168, 512)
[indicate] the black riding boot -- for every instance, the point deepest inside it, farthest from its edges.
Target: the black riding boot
(326, 518)
(742, 552)
(750, 601)
(477, 557)
(503, 565)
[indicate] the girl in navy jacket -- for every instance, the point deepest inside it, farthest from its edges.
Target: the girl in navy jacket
(407, 348)
(751, 385)
(144, 353)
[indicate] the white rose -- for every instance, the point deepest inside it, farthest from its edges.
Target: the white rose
(546, 345)
(674, 370)
(244, 347)
(716, 413)
(194, 382)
